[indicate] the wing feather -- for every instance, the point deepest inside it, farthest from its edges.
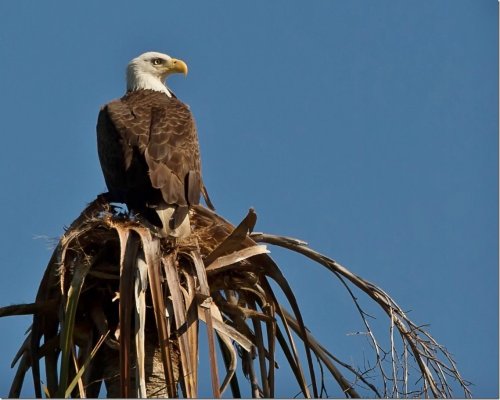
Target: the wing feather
(158, 144)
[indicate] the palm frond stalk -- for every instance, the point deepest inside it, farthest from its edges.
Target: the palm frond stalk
(120, 306)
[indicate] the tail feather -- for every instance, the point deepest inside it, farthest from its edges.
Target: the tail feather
(175, 221)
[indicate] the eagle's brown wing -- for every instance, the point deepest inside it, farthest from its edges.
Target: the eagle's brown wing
(148, 145)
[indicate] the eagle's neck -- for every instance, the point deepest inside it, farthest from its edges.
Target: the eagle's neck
(146, 81)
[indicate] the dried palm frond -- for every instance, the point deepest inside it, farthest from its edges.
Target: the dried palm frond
(119, 305)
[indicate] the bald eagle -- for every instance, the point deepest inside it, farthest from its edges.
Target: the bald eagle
(148, 147)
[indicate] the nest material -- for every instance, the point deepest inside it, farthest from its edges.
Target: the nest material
(119, 305)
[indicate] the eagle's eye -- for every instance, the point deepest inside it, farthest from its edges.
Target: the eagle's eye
(157, 61)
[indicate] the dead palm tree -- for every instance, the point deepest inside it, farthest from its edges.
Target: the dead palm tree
(120, 306)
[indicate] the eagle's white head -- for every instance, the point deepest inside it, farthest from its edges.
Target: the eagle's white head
(149, 71)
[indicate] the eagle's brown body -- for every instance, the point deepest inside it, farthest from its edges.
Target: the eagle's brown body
(149, 152)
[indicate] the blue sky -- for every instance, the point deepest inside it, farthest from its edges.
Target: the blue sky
(368, 129)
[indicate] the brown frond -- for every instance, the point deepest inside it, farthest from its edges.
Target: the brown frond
(121, 306)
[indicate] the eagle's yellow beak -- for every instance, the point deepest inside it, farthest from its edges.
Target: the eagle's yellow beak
(176, 65)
